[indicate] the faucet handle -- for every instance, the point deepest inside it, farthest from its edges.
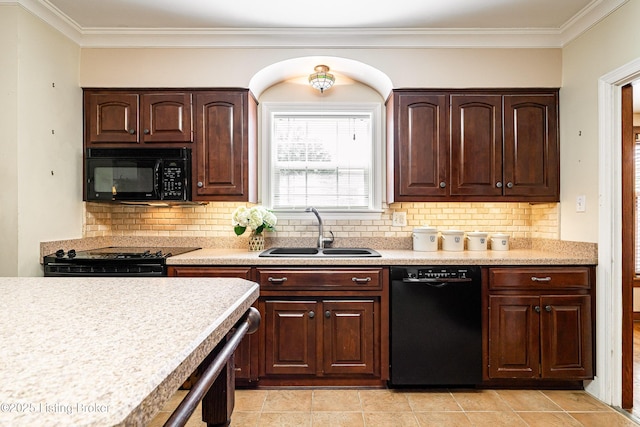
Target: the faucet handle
(328, 240)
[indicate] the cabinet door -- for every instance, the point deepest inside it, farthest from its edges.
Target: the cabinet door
(166, 117)
(421, 151)
(514, 343)
(111, 118)
(221, 157)
(348, 337)
(531, 156)
(290, 337)
(565, 335)
(476, 145)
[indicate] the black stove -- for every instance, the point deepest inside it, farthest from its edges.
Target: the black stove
(111, 262)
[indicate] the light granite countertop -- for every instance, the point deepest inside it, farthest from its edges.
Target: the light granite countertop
(107, 351)
(513, 257)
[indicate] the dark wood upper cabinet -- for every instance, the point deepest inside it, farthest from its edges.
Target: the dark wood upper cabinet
(111, 117)
(137, 117)
(420, 154)
(473, 145)
(166, 117)
(531, 152)
(476, 145)
(226, 144)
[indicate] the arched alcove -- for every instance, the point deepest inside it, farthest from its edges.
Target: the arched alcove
(303, 66)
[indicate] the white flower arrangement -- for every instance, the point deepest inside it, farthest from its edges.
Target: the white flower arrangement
(257, 218)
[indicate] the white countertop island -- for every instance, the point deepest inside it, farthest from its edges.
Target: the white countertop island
(107, 351)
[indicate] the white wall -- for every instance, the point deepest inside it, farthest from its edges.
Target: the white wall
(8, 140)
(44, 123)
(405, 67)
(609, 45)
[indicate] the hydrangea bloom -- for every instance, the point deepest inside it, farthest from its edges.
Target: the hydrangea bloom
(256, 218)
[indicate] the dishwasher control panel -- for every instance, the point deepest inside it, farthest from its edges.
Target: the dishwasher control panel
(435, 273)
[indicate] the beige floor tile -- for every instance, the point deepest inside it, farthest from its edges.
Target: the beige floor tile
(336, 401)
(528, 400)
(495, 419)
(285, 419)
(576, 400)
(600, 419)
(288, 400)
(337, 419)
(384, 401)
(425, 401)
(390, 419)
(442, 419)
(250, 400)
(245, 419)
(549, 419)
(480, 400)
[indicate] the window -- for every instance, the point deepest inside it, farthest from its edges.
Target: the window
(325, 157)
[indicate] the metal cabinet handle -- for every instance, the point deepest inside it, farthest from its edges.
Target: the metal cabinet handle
(361, 279)
(547, 308)
(132, 131)
(540, 279)
(443, 184)
(312, 315)
(537, 308)
(327, 314)
(147, 131)
(498, 184)
(277, 279)
(200, 184)
(509, 184)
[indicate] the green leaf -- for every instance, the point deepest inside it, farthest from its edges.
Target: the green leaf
(239, 229)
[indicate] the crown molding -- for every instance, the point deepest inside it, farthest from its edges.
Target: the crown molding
(319, 37)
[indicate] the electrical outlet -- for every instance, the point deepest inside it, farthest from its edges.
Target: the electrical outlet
(581, 203)
(399, 219)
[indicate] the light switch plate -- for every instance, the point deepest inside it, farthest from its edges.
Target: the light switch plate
(399, 219)
(581, 203)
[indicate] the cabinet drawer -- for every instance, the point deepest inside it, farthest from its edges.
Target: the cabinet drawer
(540, 278)
(310, 279)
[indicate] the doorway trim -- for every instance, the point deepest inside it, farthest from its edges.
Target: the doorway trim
(607, 386)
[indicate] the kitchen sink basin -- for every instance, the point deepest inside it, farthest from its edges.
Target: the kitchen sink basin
(322, 253)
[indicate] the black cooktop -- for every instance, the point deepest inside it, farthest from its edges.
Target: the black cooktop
(115, 253)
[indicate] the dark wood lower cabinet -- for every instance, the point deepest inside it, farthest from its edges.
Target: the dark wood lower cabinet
(540, 323)
(324, 326)
(319, 337)
(290, 337)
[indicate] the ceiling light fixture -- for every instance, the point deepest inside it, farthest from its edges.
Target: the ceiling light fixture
(321, 79)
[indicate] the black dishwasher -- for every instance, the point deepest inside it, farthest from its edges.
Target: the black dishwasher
(436, 326)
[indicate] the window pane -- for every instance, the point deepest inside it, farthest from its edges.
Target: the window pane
(321, 160)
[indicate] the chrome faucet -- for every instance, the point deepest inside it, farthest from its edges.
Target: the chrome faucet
(321, 239)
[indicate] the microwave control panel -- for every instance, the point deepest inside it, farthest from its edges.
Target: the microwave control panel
(173, 185)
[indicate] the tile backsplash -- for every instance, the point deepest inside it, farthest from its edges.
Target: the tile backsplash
(520, 220)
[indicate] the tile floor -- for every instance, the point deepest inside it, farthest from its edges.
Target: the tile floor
(388, 408)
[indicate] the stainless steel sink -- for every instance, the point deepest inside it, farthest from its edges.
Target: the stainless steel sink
(323, 253)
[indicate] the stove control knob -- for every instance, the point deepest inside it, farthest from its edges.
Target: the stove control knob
(159, 254)
(59, 253)
(71, 253)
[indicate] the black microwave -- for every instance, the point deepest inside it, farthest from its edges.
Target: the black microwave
(138, 174)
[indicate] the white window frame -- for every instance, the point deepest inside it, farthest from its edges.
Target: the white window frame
(269, 109)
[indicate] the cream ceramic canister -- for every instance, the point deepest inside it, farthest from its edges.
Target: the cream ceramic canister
(500, 242)
(425, 239)
(453, 240)
(477, 241)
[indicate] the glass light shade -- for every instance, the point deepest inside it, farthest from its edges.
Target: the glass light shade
(321, 79)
